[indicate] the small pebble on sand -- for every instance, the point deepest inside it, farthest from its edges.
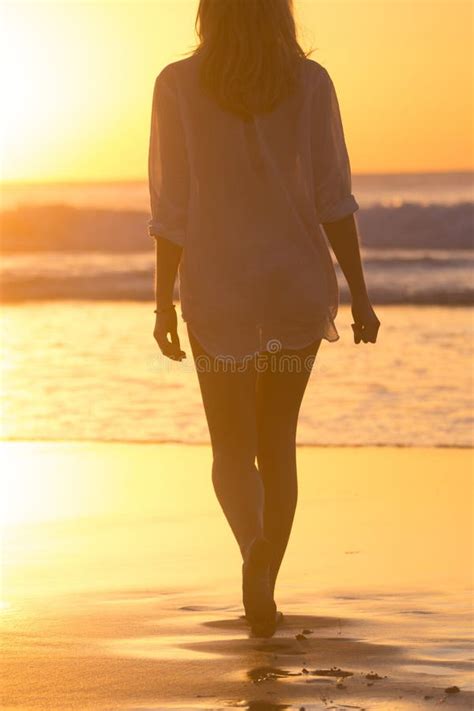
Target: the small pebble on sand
(452, 690)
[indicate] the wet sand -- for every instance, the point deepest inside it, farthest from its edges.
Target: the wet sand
(120, 583)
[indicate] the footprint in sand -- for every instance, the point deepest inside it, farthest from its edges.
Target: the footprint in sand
(266, 673)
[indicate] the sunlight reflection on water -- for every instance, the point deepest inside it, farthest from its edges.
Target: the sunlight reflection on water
(91, 370)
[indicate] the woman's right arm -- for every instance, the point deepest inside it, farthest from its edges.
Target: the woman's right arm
(168, 179)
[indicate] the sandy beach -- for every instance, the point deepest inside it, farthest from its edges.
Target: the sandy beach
(120, 593)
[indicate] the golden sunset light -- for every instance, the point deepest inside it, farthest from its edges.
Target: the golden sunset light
(237, 395)
(77, 79)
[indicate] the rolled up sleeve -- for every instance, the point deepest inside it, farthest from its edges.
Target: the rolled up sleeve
(168, 169)
(331, 165)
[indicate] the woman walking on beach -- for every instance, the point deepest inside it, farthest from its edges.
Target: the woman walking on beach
(247, 160)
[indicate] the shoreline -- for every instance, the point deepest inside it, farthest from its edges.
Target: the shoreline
(203, 443)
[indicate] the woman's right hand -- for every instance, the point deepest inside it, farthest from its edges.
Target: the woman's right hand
(366, 324)
(166, 324)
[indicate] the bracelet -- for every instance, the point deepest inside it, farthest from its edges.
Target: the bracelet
(167, 308)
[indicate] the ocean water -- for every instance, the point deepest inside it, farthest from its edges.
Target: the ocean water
(79, 361)
(91, 241)
(447, 188)
(91, 371)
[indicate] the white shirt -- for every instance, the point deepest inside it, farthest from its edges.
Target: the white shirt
(246, 201)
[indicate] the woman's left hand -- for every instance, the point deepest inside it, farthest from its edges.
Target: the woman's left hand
(366, 324)
(166, 324)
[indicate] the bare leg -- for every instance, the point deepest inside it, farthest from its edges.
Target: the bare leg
(229, 403)
(280, 391)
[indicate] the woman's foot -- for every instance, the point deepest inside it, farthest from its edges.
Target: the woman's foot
(267, 628)
(260, 608)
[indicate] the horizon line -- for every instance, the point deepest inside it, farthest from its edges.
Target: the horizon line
(96, 181)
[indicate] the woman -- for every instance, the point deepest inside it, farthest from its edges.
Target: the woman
(247, 160)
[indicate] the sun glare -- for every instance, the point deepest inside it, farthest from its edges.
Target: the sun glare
(23, 498)
(30, 86)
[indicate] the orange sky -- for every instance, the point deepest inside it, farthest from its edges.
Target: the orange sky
(77, 81)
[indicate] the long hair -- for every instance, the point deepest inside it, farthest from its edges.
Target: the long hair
(250, 56)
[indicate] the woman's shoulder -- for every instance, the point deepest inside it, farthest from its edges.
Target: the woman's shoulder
(316, 70)
(173, 71)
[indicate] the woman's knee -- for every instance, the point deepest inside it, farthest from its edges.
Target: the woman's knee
(273, 451)
(232, 462)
